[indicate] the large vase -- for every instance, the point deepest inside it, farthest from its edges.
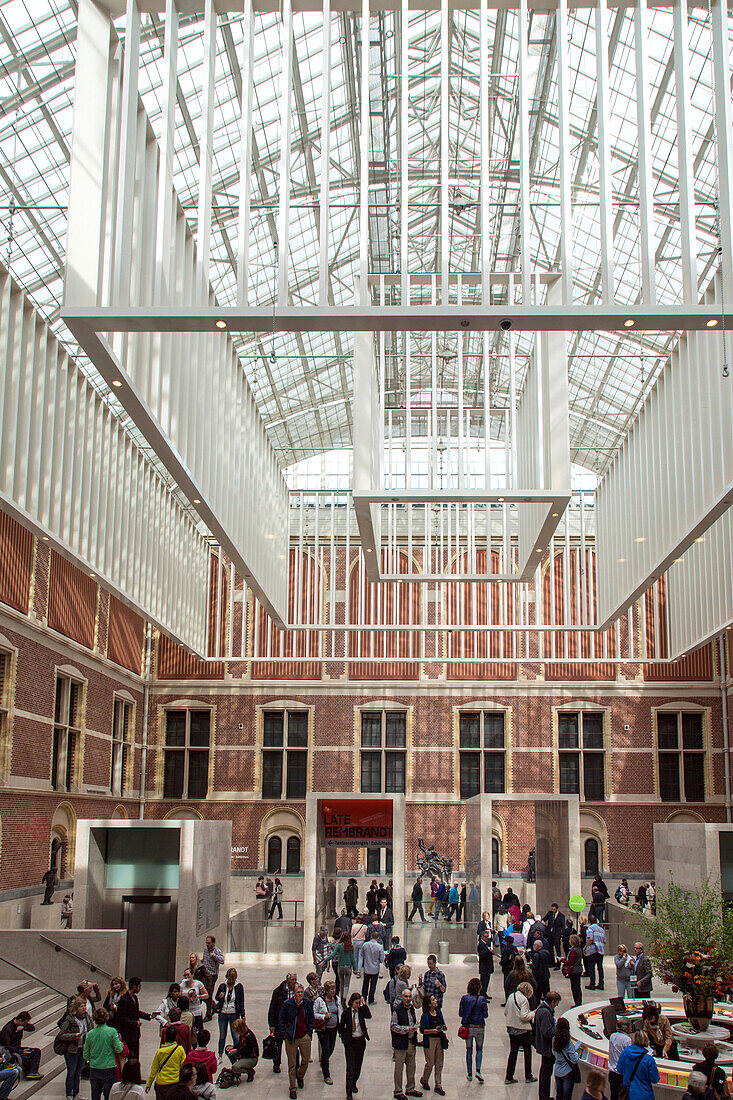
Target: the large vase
(698, 1010)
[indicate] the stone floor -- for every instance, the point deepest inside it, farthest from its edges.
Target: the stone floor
(376, 1082)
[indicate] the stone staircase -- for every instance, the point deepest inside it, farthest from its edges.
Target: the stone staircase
(45, 1007)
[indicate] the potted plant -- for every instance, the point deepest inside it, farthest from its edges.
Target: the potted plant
(691, 945)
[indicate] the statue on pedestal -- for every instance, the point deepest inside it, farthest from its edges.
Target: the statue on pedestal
(430, 863)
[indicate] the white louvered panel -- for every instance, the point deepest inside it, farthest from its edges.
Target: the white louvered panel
(68, 469)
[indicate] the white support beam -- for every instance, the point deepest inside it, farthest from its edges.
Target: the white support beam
(644, 131)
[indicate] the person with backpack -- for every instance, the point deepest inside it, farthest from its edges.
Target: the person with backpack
(506, 962)
(544, 1032)
(167, 1061)
(572, 968)
(715, 1075)
(473, 1011)
(73, 1028)
(454, 900)
(637, 1069)
(351, 897)
(440, 900)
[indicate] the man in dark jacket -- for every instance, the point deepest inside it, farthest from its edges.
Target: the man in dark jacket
(485, 962)
(128, 1016)
(599, 894)
(385, 917)
(555, 925)
(403, 1028)
(510, 898)
(544, 1031)
(295, 1024)
(539, 964)
(417, 902)
(279, 996)
(11, 1037)
(641, 974)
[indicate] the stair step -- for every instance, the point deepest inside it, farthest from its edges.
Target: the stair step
(52, 1069)
(45, 1006)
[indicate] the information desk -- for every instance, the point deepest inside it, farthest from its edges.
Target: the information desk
(593, 1045)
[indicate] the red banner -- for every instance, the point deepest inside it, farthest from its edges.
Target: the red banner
(356, 823)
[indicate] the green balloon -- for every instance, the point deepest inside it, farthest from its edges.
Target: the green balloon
(577, 903)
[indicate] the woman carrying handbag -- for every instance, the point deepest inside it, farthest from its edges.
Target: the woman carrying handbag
(433, 1028)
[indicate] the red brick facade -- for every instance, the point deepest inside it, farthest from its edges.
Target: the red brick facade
(106, 659)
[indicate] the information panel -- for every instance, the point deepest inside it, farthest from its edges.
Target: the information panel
(356, 823)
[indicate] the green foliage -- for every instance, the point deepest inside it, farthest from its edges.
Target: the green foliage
(691, 939)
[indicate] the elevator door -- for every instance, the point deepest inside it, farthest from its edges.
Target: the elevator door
(150, 925)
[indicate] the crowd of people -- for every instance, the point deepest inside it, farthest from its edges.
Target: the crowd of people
(99, 1036)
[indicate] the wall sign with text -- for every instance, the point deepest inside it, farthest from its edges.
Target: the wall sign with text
(356, 823)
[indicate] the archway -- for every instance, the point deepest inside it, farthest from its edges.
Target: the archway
(63, 841)
(281, 839)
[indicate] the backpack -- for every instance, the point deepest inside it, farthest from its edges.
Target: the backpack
(388, 991)
(508, 953)
(226, 1079)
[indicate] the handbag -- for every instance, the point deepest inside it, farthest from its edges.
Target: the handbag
(463, 1032)
(269, 1048)
(319, 1025)
(444, 1042)
(576, 1074)
(624, 1091)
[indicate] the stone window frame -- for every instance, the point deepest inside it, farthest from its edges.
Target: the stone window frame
(386, 706)
(183, 704)
(471, 707)
(574, 706)
(680, 706)
(283, 705)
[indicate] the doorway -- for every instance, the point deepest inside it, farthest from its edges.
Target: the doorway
(150, 925)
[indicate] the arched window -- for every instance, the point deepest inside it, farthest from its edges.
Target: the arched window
(292, 859)
(495, 861)
(592, 860)
(274, 855)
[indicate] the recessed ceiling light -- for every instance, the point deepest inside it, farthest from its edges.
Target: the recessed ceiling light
(501, 500)
(712, 322)
(45, 538)
(678, 560)
(538, 551)
(701, 539)
(196, 500)
(221, 324)
(92, 574)
(116, 383)
(555, 515)
(369, 550)
(629, 322)
(641, 538)
(621, 559)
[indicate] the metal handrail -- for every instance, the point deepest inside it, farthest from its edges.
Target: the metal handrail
(79, 958)
(30, 974)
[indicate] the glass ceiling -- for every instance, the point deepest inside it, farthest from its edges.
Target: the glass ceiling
(303, 382)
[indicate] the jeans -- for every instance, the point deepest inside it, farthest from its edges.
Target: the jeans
(623, 988)
(74, 1062)
(8, 1080)
(475, 1035)
(369, 987)
(345, 973)
(521, 1042)
(102, 1081)
(564, 1086)
(327, 1042)
(226, 1019)
(417, 908)
(276, 905)
(358, 948)
(354, 1058)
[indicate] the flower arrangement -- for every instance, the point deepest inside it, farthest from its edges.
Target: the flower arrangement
(691, 941)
